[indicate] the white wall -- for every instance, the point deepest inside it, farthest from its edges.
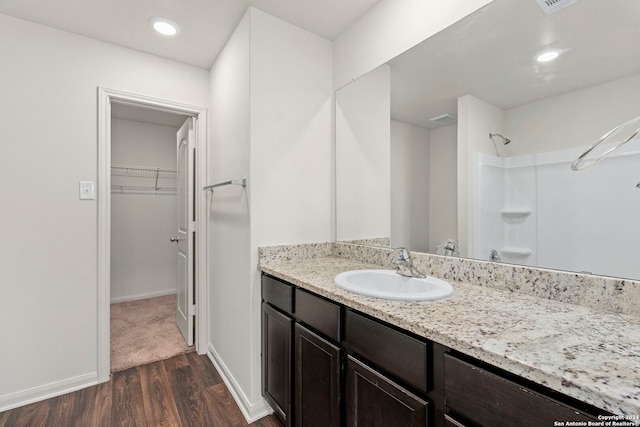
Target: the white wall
(476, 119)
(271, 102)
(571, 120)
(229, 245)
(48, 272)
(143, 260)
(390, 28)
(291, 158)
(424, 173)
(443, 179)
(410, 198)
(291, 108)
(363, 157)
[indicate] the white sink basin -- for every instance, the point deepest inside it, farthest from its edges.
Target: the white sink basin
(387, 284)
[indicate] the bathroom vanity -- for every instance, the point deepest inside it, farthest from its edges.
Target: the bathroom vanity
(388, 376)
(482, 357)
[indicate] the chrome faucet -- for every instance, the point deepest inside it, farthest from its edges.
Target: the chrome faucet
(451, 248)
(404, 265)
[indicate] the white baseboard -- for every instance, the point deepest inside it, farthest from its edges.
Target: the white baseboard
(251, 411)
(143, 296)
(47, 391)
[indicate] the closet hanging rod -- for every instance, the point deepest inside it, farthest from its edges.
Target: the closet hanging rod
(242, 182)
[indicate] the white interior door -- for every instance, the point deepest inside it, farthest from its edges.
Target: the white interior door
(185, 238)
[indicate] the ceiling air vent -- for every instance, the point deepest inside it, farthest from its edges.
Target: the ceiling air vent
(552, 6)
(444, 119)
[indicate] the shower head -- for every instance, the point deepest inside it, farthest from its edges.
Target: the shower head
(505, 141)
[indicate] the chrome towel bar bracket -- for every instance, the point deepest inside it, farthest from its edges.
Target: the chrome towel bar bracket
(242, 182)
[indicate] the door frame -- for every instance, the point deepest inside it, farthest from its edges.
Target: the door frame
(105, 98)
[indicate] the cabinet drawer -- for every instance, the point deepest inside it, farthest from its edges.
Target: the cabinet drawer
(392, 351)
(487, 399)
(318, 313)
(277, 293)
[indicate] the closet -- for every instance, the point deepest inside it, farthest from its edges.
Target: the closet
(143, 202)
(144, 216)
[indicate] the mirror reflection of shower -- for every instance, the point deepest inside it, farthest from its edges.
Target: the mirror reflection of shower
(505, 141)
(616, 137)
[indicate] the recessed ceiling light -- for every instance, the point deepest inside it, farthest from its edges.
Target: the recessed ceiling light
(164, 26)
(548, 55)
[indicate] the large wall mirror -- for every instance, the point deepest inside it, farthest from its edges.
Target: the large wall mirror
(463, 144)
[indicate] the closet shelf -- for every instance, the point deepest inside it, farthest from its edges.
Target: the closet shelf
(142, 180)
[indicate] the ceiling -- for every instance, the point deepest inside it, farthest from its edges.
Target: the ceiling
(205, 24)
(491, 55)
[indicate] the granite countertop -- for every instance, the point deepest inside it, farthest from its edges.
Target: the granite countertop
(588, 354)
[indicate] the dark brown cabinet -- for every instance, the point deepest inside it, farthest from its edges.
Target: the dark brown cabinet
(478, 397)
(277, 332)
(317, 380)
(392, 351)
(326, 365)
(373, 400)
(450, 422)
(301, 355)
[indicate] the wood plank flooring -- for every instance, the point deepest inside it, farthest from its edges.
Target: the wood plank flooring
(185, 390)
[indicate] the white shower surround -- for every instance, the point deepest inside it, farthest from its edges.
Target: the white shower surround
(578, 220)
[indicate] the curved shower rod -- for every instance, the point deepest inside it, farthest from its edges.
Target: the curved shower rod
(580, 163)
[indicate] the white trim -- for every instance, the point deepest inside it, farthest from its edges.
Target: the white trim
(250, 411)
(145, 295)
(104, 234)
(46, 391)
(105, 98)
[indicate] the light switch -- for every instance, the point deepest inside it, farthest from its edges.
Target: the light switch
(87, 190)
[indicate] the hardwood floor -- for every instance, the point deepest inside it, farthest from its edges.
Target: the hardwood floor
(185, 390)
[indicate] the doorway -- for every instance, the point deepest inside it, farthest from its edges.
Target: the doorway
(120, 111)
(144, 214)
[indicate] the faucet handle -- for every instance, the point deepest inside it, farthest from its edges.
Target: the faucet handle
(403, 254)
(404, 264)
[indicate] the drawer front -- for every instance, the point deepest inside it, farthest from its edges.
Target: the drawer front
(487, 399)
(391, 350)
(277, 293)
(318, 313)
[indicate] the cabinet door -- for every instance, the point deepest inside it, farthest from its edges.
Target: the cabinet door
(276, 361)
(317, 380)
(450, 422)
(374, 400)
